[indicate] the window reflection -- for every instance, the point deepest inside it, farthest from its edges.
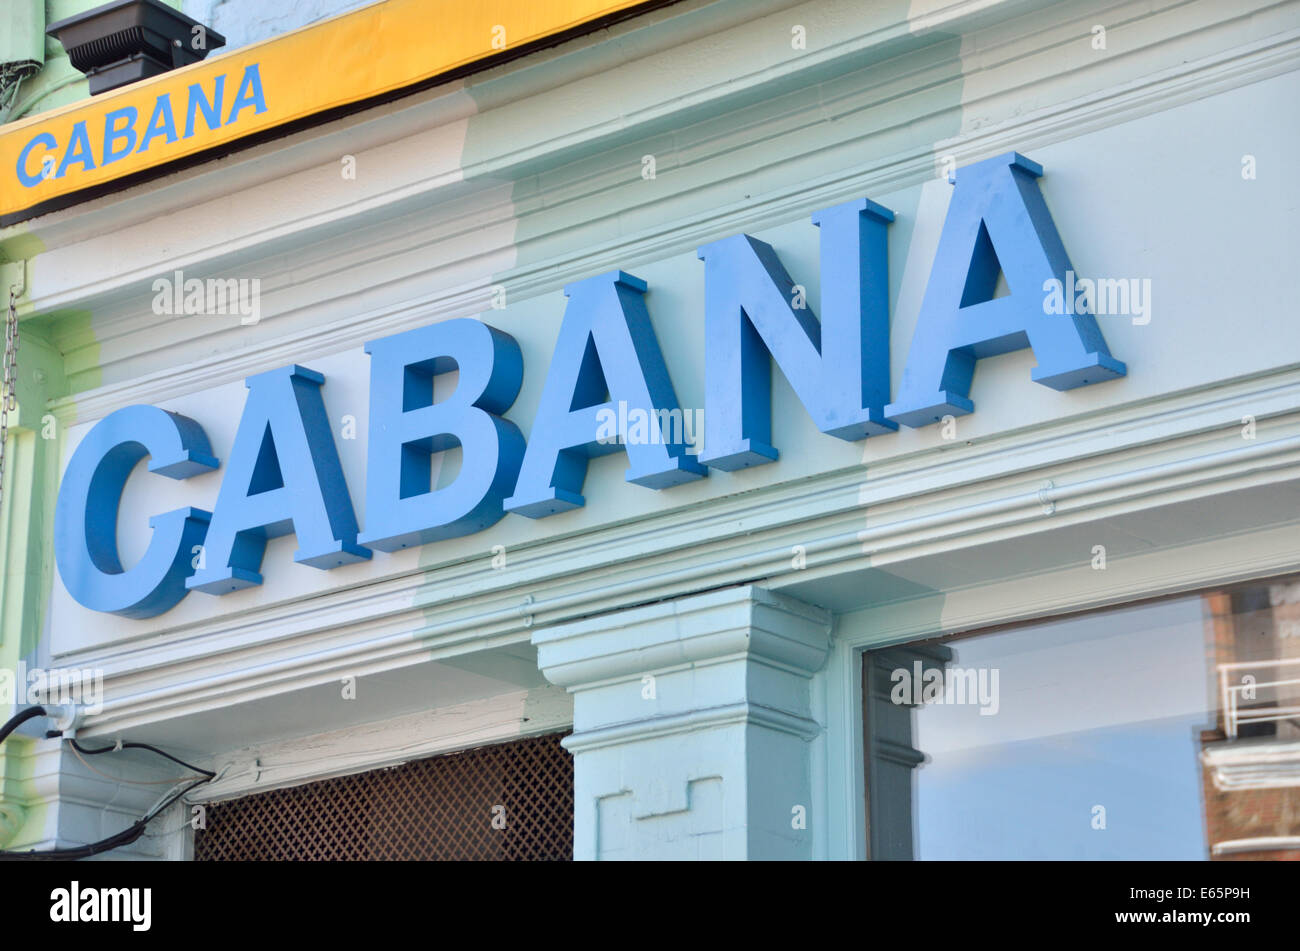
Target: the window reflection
(1166, 730)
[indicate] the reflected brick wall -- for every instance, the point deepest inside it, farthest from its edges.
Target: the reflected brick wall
(1255, 623)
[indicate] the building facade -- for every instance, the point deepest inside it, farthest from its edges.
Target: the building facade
(712, 429)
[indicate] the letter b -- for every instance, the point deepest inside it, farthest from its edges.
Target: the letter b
(407, 427)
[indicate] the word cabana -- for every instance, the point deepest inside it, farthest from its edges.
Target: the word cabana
(126, 131)
(283, 473)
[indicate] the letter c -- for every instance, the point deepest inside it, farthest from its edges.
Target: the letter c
(85, 517)
(31, 181)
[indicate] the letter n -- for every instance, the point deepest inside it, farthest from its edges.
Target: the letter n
(839, 368)
(997, 221)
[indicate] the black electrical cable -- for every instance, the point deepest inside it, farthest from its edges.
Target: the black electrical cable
(127, 835)
(162, 807)
(139, 746)
(18, 719)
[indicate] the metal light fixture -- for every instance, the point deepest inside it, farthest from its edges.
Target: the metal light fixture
(129, 40)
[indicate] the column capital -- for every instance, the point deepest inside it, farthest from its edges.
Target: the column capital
(731, 623)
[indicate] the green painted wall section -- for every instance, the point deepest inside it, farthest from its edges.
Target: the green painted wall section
(22, 813)
(33, 458)
(26, 557)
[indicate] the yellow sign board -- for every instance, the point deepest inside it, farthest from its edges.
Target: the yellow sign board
(379, 49)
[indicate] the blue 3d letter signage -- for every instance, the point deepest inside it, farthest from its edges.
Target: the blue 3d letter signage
(283, 474)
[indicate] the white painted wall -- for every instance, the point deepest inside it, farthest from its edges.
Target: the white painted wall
(243, 22)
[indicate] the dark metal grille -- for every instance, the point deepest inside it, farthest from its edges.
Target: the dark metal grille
(512, 801)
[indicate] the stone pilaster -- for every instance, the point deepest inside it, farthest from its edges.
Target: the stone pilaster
(692, 725)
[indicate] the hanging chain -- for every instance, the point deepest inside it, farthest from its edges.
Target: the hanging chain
(9, 380)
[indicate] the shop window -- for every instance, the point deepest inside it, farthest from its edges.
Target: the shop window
(511, 801)
(1168, 729)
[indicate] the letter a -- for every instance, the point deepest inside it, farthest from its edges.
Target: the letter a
(283, 476)
(997, 221)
